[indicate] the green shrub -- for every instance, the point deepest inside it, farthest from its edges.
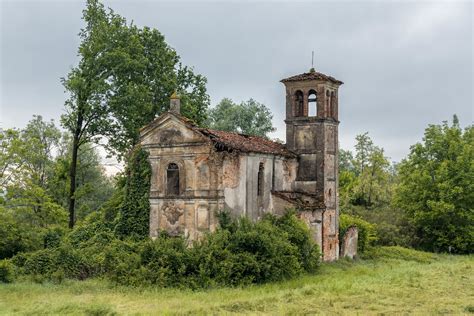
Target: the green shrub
(165, 261)
(93, 225)
(16, 236)
(41, 262)
(52, 237)
(367, 231)
(6, 271)
(121, 262)
(277, 257)
(299, 235)
(391, 225)
(240, 253)
(399, 253)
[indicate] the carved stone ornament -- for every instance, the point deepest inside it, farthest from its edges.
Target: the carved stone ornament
(170, 136)
(171, 213)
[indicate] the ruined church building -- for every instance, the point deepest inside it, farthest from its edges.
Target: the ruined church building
(197, 172)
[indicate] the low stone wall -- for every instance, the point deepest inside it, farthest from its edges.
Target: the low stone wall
(349, 243)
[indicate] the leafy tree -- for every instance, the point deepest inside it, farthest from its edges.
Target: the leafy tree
(123, 80)
(372, 170)
(437, 188)
(11, 157)
(41, 138)
(27, 163)
(250, 117)
(26, 208)
(87, 112)
(144, 72)
(93, 186)
(347, 175)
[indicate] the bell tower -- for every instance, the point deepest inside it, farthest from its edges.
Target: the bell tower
(312, 132)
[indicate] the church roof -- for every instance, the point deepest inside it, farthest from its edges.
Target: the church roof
(229, 140)
(246, 143)
(311, 75)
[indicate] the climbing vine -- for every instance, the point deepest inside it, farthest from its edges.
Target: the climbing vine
(134, 215)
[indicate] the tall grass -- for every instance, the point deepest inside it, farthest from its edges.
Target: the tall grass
(393, 281)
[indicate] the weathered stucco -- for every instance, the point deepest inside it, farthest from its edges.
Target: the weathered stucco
(247, 175)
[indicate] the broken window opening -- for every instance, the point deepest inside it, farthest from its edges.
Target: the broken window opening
(299, 103)
(172, 176)
(260, 179)
(312, 103)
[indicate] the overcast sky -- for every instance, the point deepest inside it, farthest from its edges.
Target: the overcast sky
(404, 64)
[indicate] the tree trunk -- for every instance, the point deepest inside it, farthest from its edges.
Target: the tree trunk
(73, 169)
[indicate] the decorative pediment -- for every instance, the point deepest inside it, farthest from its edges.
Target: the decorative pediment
(169, 129)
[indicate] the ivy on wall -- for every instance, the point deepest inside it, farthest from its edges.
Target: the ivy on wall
(134, 214)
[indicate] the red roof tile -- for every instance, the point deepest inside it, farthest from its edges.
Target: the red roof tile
(246, 143)
(312, 75)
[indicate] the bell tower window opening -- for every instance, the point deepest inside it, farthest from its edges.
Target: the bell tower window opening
(299, 103)
(333, 104)
(312, 103)
(328, 104)
(260, 179)
(172, 178)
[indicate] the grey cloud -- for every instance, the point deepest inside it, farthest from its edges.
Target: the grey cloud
(404, 64)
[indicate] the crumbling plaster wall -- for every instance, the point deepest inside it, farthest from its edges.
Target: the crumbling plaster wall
(240, 182)
(193, 211)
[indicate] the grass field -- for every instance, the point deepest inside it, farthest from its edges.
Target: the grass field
(393, 281)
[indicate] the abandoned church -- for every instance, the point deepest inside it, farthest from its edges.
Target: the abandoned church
(197, 172)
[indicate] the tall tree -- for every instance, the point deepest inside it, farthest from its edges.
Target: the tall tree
(87, 112)
(124, 79)
(11, 156)
(93, 186)
(436, 188)
(366, 178)
(26, 208)
(27, 155)
(144, 72)
(249, 117)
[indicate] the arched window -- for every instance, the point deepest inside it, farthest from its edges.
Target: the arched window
(172, 178)
(260, 179)
(312, 103)
(299, 103)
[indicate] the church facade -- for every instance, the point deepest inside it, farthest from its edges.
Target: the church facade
(197, 172)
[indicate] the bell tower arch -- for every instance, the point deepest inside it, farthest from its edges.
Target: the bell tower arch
(312, 132)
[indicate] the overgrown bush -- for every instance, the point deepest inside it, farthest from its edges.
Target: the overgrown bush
(367, 231)
(391, 225)
(249, 253)
(52, 237)
(238, 253)
(299, 235)
(6, 271)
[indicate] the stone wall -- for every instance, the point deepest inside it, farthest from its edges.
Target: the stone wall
(349, 243)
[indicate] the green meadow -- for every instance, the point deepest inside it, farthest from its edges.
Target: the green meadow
(388, 280)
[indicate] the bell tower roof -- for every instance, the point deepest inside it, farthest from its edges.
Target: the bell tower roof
(312, 75)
